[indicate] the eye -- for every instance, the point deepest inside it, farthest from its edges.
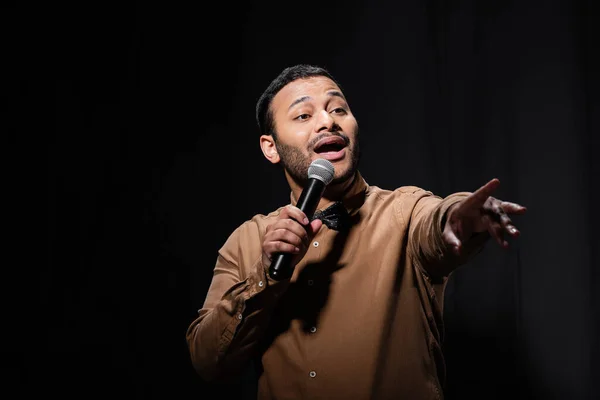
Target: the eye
(339, 110)
(302, 117)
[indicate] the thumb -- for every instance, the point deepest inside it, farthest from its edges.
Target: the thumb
(314, 227)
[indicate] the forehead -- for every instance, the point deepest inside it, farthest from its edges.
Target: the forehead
(312, 87)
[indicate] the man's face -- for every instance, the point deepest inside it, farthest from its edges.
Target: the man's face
(313, 120)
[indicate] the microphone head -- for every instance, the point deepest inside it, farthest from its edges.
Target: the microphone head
(322, 170)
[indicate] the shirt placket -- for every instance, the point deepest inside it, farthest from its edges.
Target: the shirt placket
(313, 372)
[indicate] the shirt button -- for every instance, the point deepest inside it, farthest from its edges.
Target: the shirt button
(261, 284)
(310, 282)
(313, 329)
(312, 374)
(316, 244)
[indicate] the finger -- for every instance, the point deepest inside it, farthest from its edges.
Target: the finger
(513, 208)
(496, 230)
(478, 197)
(287, 236)
(493, 208)
(292, 226)
(497, 233)
(294, 212)
(314, 227)
(510, 208)
(280, 247)
(507, 224)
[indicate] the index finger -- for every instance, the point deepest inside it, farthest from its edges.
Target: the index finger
(478, 197)
(294, 212)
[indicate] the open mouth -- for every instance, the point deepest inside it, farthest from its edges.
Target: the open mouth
(331, 147)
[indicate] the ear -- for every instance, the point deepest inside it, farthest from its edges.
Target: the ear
(269, 149)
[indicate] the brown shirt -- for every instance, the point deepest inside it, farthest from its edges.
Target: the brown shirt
(361, 317)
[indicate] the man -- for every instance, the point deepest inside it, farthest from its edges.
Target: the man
(361, 316)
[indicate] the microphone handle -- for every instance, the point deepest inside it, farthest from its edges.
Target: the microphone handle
(309, 199)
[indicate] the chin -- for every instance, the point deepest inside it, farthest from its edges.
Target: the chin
(343, 175)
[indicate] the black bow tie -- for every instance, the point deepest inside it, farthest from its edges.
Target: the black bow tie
(335, 216)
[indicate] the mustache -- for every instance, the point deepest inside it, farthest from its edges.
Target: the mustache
(312, 143)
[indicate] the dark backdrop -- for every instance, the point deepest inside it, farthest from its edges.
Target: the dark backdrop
(139, 120)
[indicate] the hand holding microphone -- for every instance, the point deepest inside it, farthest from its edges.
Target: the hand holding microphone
(286, 241)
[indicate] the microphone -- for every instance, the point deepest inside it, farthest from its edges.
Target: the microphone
(320, 174)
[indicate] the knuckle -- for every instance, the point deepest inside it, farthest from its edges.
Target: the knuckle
(286, 235)
(297, 240)
(289, 223)
(285, 212)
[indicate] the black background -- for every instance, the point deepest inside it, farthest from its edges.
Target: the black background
(138, 119)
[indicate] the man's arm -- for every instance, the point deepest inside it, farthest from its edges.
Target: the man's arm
(229, 326)
(242, 296)
(447, 232)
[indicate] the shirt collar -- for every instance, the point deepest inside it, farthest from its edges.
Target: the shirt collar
(353, 198)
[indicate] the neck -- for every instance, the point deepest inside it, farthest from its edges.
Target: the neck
(333, 192)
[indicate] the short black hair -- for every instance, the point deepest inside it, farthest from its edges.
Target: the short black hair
(264, 116)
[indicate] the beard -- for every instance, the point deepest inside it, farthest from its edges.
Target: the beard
(296, 162)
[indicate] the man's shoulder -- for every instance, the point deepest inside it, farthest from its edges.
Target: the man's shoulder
(399, 201)
(259, 220)
(251, 230)
(405, 190)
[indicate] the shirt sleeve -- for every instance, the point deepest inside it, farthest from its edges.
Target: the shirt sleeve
(235, 314)
(428, 249)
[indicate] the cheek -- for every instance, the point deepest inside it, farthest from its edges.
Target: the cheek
(300, 137)
(351, 129)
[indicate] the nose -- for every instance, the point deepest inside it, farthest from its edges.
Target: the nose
(324, 121)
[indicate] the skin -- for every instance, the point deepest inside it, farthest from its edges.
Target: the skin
(307, 111)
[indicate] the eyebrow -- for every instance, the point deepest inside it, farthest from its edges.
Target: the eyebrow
(305, 98)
